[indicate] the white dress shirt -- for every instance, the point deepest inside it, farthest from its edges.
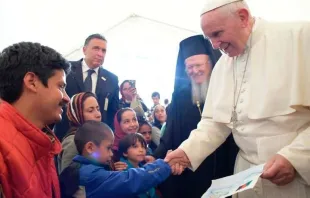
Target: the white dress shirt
(94, 76)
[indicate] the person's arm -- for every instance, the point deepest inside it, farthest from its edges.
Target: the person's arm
(69, 151)
(298, 153)
(209, 134)
(137, 107)
(204, 140)
(145, 109)
(5, 189)
(130, 182)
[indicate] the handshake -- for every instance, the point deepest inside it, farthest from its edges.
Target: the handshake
(177, 160)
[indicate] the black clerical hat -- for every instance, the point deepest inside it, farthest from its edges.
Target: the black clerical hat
(191, 46)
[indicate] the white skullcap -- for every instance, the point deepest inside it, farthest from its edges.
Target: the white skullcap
(213, 4)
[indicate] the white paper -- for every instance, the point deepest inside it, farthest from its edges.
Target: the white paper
(230, 185)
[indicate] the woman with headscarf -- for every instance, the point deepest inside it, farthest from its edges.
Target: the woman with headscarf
(130, 98)
(82, 107)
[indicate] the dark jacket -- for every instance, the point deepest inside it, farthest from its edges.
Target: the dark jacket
(152, 147)
(98, 182)
(107, 88)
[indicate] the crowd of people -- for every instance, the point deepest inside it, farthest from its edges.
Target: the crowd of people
(240, 99)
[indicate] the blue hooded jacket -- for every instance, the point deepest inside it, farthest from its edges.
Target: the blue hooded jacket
(150, 193)
(99, 182)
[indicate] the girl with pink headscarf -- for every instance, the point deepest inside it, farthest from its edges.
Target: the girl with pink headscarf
(125, 122)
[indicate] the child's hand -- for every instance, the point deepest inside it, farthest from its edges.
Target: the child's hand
(177, 160)
(120, 166)
(149, 159)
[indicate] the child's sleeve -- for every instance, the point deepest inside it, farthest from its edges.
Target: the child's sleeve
(132, 181)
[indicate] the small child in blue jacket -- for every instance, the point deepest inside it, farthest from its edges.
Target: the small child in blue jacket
(133, 149)
(87, 175)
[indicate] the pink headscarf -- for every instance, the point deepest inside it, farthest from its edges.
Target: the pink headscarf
(119, 134)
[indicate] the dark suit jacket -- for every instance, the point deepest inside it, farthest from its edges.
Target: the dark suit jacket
(105, 88)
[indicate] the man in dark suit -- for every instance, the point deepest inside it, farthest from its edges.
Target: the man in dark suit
(88, 75)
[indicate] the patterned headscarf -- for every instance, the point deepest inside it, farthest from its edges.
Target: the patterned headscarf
(75, 108)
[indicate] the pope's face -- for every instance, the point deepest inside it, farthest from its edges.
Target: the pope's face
(226, 31)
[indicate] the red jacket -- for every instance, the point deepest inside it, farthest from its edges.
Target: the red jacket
(27, 166)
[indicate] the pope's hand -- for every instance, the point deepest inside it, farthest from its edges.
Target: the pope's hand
(178, 160)
(279, 171)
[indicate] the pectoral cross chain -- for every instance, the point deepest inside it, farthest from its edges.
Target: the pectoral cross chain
(234, 119)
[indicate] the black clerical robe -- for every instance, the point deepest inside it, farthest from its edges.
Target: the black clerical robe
(183, 117)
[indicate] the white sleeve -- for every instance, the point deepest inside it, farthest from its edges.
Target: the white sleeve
(204, 140)
(298, 154)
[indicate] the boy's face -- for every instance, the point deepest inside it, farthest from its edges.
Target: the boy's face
(155, 100)
(136, 153)
(103, 153)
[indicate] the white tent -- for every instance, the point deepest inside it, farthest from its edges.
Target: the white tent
(143, 35)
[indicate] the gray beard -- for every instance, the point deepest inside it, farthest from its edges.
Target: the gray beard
(199, 92)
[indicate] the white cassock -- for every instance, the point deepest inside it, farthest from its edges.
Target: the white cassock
(273, 107)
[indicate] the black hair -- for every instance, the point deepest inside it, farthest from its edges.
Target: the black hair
(120, 113)
(130, 140)
(144, 122)
(91, 131)
(19, 59)
(94, 36)
(141, 118)
(154, 94)
(166, 101)
(122, 84)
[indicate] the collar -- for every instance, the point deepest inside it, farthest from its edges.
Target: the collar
(43, 141)
(85, 67)
(122, 159)
(250, 41)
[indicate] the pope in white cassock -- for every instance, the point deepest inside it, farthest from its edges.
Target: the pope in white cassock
(259, 90)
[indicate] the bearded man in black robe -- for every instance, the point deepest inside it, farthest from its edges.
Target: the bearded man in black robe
(196, 60)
